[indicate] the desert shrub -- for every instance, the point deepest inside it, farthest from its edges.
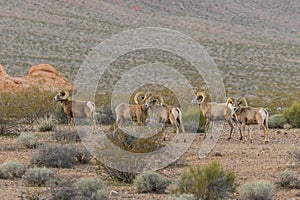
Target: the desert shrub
(209, 182)
(257, 190)
(64, 193)
(27, 140)
(45, 124)
(91, 188)
(34, 104)
(277, 121)
(292, 115)
(37, 176)
(289, 180)
(66, 135)
(12, 169)
(82, 155)
(190, 116)
(150, 182)
(8, 113)
(57, 156)
(128, 143)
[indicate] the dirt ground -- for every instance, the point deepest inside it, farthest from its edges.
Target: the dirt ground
(254, 161)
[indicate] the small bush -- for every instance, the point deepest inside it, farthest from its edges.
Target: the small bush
(289, 180)
(83, 156)
(257, 190)
(27, 140)
(66, 135)
(277, 121)
(92, 188)
(37, 176)
(209, 182)
(150, 182)
(64, 193)
(57, 156)
(45, 124)
(12, 169)
(190, 116)
(292, 115)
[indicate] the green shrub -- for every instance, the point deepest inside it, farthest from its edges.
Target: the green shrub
(27, 140)
(257, 190)
(209, 182)
(190, 116)
(150, 182)
(37, 176)
(91, 188)
(64, 193)
(66, 135)
(292, 115)
(289, 180)
(45, 124)
(12, 169)
(277, 121)
(57, 156)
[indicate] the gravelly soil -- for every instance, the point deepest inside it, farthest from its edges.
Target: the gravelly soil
(249, 162)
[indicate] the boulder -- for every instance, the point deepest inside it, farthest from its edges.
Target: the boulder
(43, 76)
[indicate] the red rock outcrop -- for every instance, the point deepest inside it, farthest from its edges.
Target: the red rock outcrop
(43, 76)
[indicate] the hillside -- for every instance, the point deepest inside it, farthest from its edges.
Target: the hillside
(255, 44)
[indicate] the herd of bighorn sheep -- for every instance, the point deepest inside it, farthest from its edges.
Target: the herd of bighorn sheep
(149, 108)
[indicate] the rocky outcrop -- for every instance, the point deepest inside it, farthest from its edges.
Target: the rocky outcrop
(43, 76)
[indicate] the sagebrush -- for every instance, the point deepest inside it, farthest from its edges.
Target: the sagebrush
(150, 182)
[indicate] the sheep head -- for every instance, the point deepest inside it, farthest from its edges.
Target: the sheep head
(152, 100)
(62, 95)
(200, 97)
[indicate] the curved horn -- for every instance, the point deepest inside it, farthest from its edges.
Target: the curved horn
(201, 94)
(66, 94)
(229, 100)
(245, 101)
(137, 95)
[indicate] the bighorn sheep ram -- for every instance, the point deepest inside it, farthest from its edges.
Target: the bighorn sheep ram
(138, 111)
(79, 109)
(160, 112)
(214, 111)
(247, 115)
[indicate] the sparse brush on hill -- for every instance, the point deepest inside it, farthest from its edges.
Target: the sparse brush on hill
(209, 182)
(277, 121)
(45, 123)
(66, 135)
(289, 179)
(92, 188)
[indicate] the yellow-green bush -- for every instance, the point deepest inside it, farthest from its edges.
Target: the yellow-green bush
(26, 106)
(207, 182)
(292, 115)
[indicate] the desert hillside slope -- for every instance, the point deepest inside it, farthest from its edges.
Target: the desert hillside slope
(255, 44)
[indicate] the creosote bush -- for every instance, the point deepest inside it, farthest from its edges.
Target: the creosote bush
(277, 121)
(208, 182)
(45, 123)
(257, 190)
(12, 169)
(28, 106)
(37, 176)
(91, 188)
(289, 179)
(57, 156)
(150, 182)
(292, 115)
(27, 140)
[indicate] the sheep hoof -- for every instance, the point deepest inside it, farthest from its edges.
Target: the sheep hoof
(251, 141)
(241, 138)
(229, 138)
(266, 142)
(184, 140)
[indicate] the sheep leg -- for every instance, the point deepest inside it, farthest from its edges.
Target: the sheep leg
(250, 134)
(206, 126)
(266, 133)
(242, 131)
(231, 129)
